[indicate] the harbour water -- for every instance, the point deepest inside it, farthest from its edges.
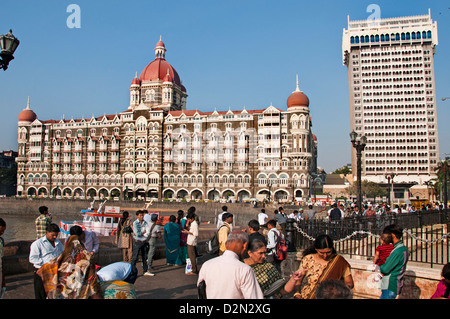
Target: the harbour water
(21, 227)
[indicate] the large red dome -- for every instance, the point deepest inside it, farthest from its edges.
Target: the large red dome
(159, 69)
(297, 98)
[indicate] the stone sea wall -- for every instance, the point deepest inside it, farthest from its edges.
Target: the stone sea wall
(207, 211)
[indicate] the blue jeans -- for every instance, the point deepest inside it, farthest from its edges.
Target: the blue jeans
(387, 294)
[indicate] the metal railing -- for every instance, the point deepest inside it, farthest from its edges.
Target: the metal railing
(425, 233)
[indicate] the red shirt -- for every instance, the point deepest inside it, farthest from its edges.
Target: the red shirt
(384, 252)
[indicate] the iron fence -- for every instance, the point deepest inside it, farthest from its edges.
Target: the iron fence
(425, 234)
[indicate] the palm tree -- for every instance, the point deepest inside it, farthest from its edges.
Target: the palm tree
(443, 173)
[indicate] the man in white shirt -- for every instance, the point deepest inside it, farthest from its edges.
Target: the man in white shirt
(192, 241)
(154, 234)
(88, 238)
(42, 251)
(140, 244)
(295, 215)
(220, 216)
(263, 218)
(226, 277)
(272, 240)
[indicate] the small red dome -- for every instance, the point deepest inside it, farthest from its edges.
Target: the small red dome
(27, 115)
(297, 98)
(136, 81)
(168, 78)
(160, 44)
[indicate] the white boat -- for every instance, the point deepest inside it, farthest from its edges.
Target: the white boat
(103, 223)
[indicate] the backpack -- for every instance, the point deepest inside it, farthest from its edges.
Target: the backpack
(212, 245)
(280, 250)
(335, 214)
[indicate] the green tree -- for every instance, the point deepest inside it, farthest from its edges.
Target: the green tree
(368, 189)
(8, 176)
(343, 170)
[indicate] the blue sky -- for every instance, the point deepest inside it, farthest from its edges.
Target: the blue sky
(229, 54)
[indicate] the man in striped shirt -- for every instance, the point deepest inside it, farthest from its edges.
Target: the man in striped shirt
(42, 222)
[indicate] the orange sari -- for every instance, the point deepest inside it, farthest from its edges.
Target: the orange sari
(334, 270)
(72, 275)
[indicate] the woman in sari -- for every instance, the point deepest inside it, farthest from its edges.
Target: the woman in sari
(172, 234)
(183, 237)
(72, 275)
(124, 236)
(321, 263)
(270, 280)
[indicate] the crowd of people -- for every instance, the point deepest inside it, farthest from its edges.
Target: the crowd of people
(247, 265)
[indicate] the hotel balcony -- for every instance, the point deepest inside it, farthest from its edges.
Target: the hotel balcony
(115, 147)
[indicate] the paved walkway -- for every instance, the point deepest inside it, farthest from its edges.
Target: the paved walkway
(169, 282)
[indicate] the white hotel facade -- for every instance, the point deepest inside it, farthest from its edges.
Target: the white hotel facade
(392, 96)
(158, 149)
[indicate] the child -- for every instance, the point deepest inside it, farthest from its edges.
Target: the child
(443, 287)
(383, 251)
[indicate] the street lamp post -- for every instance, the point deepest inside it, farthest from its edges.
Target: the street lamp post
(294, 185)
(8, 45)
(390, 177)
(359, 145)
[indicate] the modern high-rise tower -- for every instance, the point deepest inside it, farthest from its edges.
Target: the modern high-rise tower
(392, 96)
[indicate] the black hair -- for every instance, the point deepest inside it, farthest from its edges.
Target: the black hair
(272, 222)
(43, 209)
(124, 217)
(321, 242)
(190, 215)
(394, 229)
(446, 271)
(75, 230)
(53, 228)
(255, 244)
(226, 215)
(254, 224)
(333, 289)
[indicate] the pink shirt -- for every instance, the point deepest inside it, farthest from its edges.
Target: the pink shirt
(440, 290)
(226, 277)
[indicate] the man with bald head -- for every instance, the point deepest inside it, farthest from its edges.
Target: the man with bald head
(226, 277)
